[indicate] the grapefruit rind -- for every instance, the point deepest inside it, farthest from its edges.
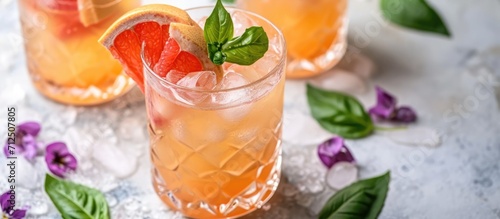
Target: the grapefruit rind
(159, 13)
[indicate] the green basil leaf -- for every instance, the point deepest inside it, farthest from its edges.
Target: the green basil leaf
(415, 14)
(339, 113)
(215, 54)
(75, 201)
(247, 48)
(361, 200)
(229, 1)
(218, 26)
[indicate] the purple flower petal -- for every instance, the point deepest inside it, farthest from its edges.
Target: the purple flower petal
(59, 160)
(18, 214)
(405, 114)
(4, 201)
(30, 147)
(71, 162)
(385, 107)
(333, 151)
(57, 147)
(26, 144)
(31, 128)
(6, 149)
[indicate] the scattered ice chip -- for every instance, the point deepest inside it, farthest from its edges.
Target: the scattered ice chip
(417, 136)
(131, 128)
(302, 129)
(358, 64)
(241, 22)
(341, 175)
(116, 160)
(27, 175)
(15, 95)
(341, 80)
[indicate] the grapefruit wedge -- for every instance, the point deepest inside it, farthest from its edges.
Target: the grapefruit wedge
(172, 41)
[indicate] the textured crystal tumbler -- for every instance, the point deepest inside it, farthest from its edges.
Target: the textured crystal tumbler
(217, 153)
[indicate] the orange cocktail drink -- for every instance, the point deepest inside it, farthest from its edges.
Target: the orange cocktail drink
(315, 31)
(65, 61)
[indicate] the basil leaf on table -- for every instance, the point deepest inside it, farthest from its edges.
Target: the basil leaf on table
(339, 113)
(247, 48)
(415, 14)
(363, 199)
(75, 201)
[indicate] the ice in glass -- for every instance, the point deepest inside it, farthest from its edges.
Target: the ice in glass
(315, 31)
(65, 61)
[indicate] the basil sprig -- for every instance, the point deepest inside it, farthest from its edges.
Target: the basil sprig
(223, 47)
(339, 113)
(415, 14)
(363, 199)
(75, 201)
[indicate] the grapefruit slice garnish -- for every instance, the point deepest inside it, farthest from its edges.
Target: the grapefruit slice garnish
(172, 40)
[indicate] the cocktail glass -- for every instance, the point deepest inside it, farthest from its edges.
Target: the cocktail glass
(65, 61)
(217, 153)
(315, 31)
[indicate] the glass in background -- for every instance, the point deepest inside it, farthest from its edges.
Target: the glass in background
(65, 61)
(315, 31)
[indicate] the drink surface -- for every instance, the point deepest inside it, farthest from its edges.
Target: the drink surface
(315, 31)
(217, 153)
(65, 60)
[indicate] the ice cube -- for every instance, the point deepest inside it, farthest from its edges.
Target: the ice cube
(266, 63)
(249, 71)
(201, 80)
(232, 80)
(275, 44)
(204, 80)
(241, 22)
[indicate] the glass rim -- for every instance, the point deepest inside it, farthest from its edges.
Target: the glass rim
(269, 74)
(79, 7)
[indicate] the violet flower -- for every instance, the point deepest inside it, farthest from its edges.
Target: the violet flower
(7, 208)
(25, 143)
(386, 109)
(334, 150)
(59, 160)
(405, 114)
